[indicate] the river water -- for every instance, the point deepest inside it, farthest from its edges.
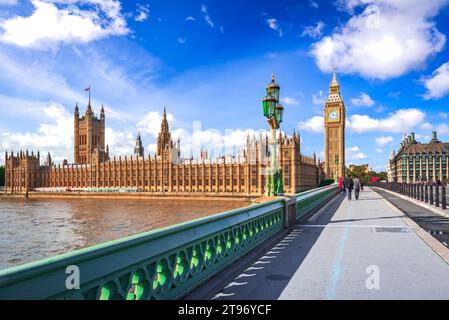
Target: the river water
(34, 229)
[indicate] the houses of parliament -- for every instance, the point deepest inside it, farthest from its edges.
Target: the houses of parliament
(166, 172)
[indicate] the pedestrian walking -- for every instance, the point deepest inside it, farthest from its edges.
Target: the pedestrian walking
(357, 185)
(340, 184)
(349, 185)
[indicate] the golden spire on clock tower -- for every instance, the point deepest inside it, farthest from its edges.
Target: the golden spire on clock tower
(334, 87)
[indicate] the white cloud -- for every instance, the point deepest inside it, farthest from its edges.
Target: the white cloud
(290, 101)
(364, 100)
(401, 120)
(443, 115)
(192, 141)
(143, 12)
(49, 24)
(379, 150)
(314, 124)
(120, 142)
(438, 84)
(318, 99)
(214, 141)
(443, 128)
(314, 32)
(190, 18)
(151, 148)
(56, 134)
(43, 79)
(207, 16)
(383, 141)
(274, 25)
(151, 123)
(426, 126)
(375, 44)
(182, 40)
(380, 109)
(354, 153)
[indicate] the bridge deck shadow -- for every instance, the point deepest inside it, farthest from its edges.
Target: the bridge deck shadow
(266, 271)
(366, 219)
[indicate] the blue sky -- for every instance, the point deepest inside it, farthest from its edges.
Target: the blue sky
(209, 63)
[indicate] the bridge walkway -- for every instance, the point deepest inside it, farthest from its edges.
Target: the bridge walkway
(365, 249)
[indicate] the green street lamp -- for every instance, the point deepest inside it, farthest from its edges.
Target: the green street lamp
(274, 113)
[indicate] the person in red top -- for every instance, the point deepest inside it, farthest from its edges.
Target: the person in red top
(340, 184)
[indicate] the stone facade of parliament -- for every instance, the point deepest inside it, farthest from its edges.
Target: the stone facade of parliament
(163, 173)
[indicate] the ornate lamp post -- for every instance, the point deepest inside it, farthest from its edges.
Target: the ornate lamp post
(273, 111)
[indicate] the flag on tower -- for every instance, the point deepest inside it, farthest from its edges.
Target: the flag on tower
(88, 89)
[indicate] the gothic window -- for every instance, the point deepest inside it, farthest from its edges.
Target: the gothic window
(336, 159)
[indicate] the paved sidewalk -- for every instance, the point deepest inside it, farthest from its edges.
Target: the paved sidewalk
(431, 221)
(333, 254)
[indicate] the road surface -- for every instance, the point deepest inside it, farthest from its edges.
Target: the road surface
(365, 249)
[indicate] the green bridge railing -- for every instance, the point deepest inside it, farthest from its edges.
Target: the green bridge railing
(165, 263)
(309, 200)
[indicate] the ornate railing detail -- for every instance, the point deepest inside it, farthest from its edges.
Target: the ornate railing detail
(161, 264)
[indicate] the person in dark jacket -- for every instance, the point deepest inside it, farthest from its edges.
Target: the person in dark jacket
(349, 185)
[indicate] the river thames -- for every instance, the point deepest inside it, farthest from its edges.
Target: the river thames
(34, 229)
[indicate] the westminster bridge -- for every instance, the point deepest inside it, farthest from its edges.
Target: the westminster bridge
(389, 244)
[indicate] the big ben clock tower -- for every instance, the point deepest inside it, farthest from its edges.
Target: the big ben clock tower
(334, 131)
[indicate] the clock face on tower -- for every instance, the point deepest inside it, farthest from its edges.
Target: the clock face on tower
(333, 115)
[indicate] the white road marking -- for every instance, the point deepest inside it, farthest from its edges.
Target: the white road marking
(268, 257)
(261, 262)
(235, 284)
(222, 295)
(254, 268)
(245, 275)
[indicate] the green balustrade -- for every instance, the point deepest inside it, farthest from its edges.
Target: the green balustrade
(309, 200)
(161, 264)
